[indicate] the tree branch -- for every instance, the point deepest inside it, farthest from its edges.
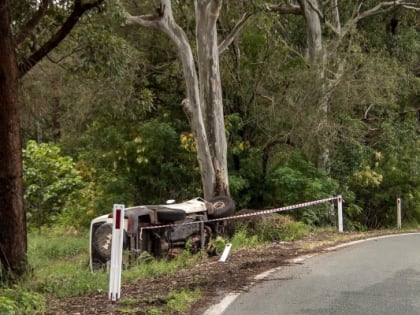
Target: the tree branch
(381, 8)
(291, 49)
(385, 7)
(234, 33)
(80, 7)
(316, 9)
(143, 20)
(284, 8)
(30, 25)
(411, 7)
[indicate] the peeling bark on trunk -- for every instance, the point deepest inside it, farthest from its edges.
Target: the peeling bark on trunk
(193, 109)
(317, 60)
(13, 242)
(207, 13)
(204, 103)
(314, 36)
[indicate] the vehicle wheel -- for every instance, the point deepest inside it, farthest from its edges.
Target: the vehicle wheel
(170, 215)
(98, 264)
(223, 206)
(102, 241)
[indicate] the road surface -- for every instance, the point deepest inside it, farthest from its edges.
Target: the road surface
(380, 276)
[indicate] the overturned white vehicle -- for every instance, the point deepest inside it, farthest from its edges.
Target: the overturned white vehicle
(161, 230)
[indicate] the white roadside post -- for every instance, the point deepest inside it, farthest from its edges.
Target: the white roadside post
(225, 252)
(399, 213)
(340, 213)
(116, 252)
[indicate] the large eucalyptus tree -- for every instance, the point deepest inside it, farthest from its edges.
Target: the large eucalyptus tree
(203, 104)
(23, 43)
(324, 17)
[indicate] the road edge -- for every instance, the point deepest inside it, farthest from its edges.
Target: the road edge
(220, 307)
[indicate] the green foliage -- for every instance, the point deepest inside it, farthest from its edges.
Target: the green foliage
(103, 52)
(179, 301)
(141, 163)
(117, 111)
(280, 228)
(243, 239)
(81, 206)
(50, 178)
(148, 266)
(60, 262)
(269, 228)
(391, 175)
(247, 181)
(295, 180)
(218, 243)
(245, 161)
(175, 302)
(54, 244)
(20, 301)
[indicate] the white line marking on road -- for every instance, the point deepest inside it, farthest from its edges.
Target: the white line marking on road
(219, 308)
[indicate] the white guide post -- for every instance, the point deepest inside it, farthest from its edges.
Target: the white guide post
(340, 213)
(116, 252)
(399, 213)
(225, 252)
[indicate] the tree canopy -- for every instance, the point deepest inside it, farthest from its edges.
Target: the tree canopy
(315, 99)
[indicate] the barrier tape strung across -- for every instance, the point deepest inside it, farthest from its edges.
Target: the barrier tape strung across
(246, 215)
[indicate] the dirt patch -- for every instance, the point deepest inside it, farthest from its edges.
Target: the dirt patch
(212, 278)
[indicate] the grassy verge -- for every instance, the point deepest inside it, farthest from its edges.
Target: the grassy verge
(60, 265)
(175, 302)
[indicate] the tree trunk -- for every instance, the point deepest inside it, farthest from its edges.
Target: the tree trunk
(314, 35)
(320, 55)
(13, 242)
(203, 105)
(211, 100)
(193, 111)
(317, 60)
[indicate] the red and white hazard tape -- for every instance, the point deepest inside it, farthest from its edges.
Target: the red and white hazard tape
(252, 214)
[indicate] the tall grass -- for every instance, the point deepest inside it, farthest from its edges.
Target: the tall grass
(148, 266)
(60, 263)
(271, 228)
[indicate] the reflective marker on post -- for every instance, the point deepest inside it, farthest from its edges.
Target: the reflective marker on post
(116, 252)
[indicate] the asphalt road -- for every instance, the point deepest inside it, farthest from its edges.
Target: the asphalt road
(380, 276)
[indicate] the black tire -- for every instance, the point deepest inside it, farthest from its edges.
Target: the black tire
(170, 215)
(102, 241)
(223, 206)
(98, 264)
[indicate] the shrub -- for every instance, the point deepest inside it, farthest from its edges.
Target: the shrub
(49, 178)
(20, 301)
(243, 238)
(271, 228)
(294, 180)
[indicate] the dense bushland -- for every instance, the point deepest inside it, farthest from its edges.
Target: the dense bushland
(111, 129)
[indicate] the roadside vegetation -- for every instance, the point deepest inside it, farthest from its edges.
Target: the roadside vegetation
(60, 267)
(104, 120)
